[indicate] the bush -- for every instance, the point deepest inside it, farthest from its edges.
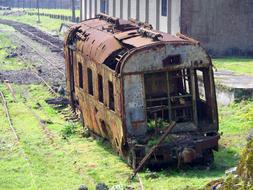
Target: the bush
(69, 129)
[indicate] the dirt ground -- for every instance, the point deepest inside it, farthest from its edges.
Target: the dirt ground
(39, 59)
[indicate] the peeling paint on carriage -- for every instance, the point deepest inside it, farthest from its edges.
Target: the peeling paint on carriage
(127, 80)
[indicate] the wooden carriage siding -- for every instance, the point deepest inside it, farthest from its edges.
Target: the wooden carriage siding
(224, 27)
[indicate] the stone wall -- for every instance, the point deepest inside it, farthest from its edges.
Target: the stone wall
(224, 27)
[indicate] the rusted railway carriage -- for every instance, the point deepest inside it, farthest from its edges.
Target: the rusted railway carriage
(129, 81)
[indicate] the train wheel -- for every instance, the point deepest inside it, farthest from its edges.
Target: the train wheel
(132, 159)
(208, 157)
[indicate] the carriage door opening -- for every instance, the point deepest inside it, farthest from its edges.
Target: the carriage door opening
(71, 74)
(169, 96)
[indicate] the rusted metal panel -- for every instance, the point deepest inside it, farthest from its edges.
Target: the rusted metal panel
(134, 105)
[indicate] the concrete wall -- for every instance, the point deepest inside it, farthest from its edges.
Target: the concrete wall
(224, 27)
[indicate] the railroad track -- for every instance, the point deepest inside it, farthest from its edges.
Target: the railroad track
(35, 50)
(54, 43)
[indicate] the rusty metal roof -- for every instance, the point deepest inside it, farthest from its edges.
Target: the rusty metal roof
(101, 36)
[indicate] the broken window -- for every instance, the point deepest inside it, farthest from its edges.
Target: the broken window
(203, 95)
(156, 92)
(172, 60)
(100, 88)
(111, 95)
(80, 72)
(169, 96)
(90, 81)
(180, 95)
(201, 85)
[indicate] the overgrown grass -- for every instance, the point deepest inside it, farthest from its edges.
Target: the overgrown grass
(238, 65)
(67, 164)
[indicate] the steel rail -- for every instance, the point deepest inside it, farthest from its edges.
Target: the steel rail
(37, 52)
(7, 113)
(39, 38)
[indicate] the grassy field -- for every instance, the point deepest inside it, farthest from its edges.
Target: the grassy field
(37, 163)
(47, 24)
(238, 65)
(66, 12)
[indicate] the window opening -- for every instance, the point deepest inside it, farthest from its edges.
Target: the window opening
(201, 85)
(100, 88)
(203, 96)
(169, 96)
(80, 71)
(111, 96)
(90, 81)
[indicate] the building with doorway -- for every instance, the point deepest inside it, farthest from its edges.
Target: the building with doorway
(224, 27)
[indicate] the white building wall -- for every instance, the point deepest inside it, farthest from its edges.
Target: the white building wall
(133, 8)
(170, 23)
(175, 16)
(163, 19)
(142, 10)
(82, 14)
(117, 8)
(125, 9)
(111, 7)
(88, 9)
(92, 8)
(152, 13)
(98, 6)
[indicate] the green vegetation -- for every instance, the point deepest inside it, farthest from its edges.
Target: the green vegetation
(66, 12)
(6, 47)
(47, 24)
(238, 65)
(244, 180)
(63, 164)
(66, 164)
